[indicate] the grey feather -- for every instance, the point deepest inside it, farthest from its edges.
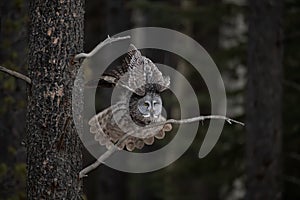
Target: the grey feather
(142, 82)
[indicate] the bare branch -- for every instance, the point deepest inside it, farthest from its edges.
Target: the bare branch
(16, 74)
(195, 119)
(108, 40)
(103, 157)
(114, 148)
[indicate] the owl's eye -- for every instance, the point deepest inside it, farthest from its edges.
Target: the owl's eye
(156, 103)
(146, 104)
(144, 108)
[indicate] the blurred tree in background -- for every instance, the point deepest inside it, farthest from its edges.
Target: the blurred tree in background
(221, 28)
(264, 99)
(291, 97)
(13, 55)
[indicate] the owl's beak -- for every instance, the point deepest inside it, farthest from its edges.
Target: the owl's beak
(155, 116)
(152, 114)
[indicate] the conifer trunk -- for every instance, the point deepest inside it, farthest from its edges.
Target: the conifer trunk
(264, 94)
(53, 146)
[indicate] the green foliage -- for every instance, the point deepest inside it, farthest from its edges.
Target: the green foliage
(10, 84)
(19, 4)
(20, 171)
(11, 150)
(3, 169)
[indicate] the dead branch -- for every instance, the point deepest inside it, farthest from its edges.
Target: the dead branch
(108, 40)
(195, 119)
(16, 74)
(114, 148)
(102, 158)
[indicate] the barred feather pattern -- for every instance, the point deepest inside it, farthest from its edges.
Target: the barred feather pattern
(110, 125)
(135, 72)
(139, 77)
(142, 71)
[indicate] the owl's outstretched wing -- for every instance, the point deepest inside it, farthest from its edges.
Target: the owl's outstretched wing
(107, 132)
(142, 72)
(135, 74)
(108, 79)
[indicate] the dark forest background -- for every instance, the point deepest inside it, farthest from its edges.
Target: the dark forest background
(221, 27)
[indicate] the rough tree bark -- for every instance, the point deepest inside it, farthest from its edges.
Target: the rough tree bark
(264, 93)
(53, 146)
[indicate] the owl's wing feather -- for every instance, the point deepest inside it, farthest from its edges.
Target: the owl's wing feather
(108, 133)
(142, 72)
(98, 127)
(138, 74)
(103, 81)
(111, 77)
(135, 73)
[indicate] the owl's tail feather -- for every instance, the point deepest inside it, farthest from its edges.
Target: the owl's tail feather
(149, 140)
(130, 143)
(133, 142)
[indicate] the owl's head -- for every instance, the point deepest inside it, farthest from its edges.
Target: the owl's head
(147, 108)
(150, 106)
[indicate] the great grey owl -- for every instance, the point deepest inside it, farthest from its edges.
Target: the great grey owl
(139, 104)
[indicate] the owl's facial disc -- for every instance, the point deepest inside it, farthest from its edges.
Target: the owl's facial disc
(146, 111)
(150, 106)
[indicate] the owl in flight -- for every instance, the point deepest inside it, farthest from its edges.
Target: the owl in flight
(139, 104)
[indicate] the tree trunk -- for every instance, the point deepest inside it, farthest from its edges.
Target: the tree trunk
(53, 146)
(264, 94)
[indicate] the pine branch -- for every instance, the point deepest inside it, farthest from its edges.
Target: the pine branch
(16, 74)
(83, 173)
(108, 40)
